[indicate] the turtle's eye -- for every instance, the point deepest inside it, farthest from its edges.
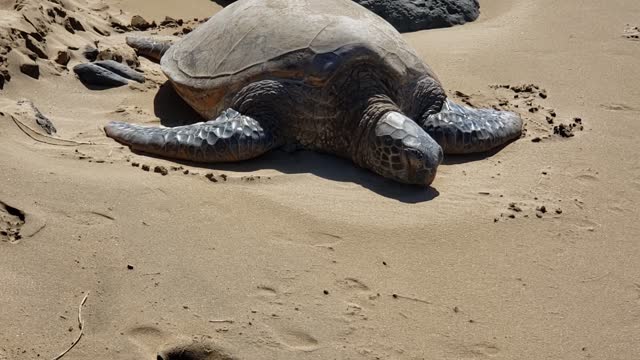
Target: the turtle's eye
(414, 154)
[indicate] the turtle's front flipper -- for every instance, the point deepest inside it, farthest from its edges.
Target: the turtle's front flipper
(230, 137)
(461, 130)
(149, 47)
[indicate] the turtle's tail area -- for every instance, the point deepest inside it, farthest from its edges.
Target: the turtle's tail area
(149, 47)
(230, 137)
(462, 130)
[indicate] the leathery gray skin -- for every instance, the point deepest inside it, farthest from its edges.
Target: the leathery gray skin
(372, 130)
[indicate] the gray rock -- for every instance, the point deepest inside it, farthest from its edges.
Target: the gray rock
(414, 15)
(139, 23)
(92, 74)
(121, 69)
(31, 69)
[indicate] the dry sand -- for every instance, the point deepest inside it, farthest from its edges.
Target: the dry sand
(316, 259)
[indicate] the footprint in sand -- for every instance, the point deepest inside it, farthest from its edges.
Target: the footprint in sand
(194, 350)
(11, 222)
(153, 342)
(265, 291)
(477, 351)
(617, 107)
(484, 349)
(353, 284)
(296, 339)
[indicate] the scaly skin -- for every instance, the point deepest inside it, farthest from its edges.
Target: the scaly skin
(462, 130)
(231, 137)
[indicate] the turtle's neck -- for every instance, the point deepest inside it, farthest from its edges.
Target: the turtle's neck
(363, 132)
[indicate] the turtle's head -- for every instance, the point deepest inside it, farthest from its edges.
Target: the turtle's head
(401, 150)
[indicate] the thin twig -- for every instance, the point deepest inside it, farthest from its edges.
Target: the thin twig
(150, 274)
(35, 135)
(80, 326)
(221, 321)
(411, 298)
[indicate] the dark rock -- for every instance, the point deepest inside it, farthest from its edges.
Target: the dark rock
(414, 15)
(118, 26)
(161, 170)
(121, 69)
(169, 22)
(90, 53)
(60, 12)
(5, 76)
(72, 25)
(63, 57)
(36, 47)
(139, 23)
(563, 130)
(31, 69)
(101, 31)
(91, 74)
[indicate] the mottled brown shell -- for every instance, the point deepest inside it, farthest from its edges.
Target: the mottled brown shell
(296, 40)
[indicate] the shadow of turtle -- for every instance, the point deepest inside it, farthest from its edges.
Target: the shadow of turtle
(172, 111)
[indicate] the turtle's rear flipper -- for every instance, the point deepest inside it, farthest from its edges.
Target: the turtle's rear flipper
(461, 130)
(230, 137)
(149, 47)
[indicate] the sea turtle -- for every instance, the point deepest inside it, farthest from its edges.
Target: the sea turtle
(325, 75)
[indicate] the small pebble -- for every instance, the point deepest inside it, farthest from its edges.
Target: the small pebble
(146, 167)
(161, 170)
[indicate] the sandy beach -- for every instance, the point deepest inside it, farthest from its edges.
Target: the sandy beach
(530, 252)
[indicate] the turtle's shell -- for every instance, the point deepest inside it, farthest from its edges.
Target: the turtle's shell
(298, 40)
